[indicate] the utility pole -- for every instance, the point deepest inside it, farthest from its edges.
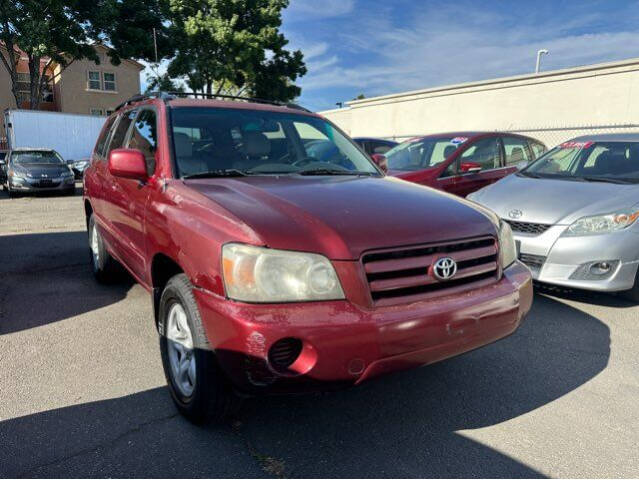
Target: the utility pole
(539, 54)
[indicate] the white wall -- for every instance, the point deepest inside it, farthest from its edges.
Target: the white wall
(551, 106)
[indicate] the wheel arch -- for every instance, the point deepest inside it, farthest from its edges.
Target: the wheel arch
(163, 268)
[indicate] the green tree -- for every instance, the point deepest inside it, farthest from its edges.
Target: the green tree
(233, 47)
(59, 32)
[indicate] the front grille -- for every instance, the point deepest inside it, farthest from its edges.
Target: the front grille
(406, 274)
(534, 262)
(45, 184)
(526, 227)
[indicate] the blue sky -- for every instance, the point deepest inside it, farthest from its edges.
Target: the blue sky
(377, 47)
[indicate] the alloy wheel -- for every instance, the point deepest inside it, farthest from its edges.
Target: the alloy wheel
(180, 350)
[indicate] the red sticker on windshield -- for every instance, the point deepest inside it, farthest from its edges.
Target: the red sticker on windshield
(576, 144)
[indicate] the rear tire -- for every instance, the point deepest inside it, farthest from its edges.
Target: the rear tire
(105, 268)
(199, 388)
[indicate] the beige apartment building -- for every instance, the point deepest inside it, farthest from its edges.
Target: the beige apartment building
(84, 87)
(551, 106)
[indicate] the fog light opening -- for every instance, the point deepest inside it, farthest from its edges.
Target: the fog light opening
(601, 268)
(284, 353)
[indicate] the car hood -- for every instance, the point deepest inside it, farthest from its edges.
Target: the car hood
(550, 201)
(341, 217)
(38, 170)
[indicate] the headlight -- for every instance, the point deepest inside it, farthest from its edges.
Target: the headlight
(256, 274)
(597, 224)
(17, 174)
(507, 249)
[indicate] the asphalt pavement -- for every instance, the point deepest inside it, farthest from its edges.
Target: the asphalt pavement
(82, 392)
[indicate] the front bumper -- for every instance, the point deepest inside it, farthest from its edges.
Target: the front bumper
(556, 260)
(28, 185)
(344, 343)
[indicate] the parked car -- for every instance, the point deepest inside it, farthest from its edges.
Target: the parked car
(3, 168)
(574, 212)
(30, 170)
(461, 162)
(273, 271)
(374, 146)
(79, 166)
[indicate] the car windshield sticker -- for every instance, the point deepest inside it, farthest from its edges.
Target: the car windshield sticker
(458, 140)
(576, 144)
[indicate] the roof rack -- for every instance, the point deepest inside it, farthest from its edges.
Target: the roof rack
(167, 96)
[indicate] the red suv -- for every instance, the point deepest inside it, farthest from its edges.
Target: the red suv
(461, 162)
(273, 270)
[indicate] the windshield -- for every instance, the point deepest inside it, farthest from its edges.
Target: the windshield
(216, 141)
(22, 158)
(422, 153)
(589, 161)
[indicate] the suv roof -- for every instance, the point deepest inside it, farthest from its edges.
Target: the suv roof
(192, 99)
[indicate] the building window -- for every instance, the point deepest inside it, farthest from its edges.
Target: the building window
(23, 89)
(109, 82)
(94, 81)
(96, 111)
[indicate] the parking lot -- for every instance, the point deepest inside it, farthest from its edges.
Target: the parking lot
(82, 392)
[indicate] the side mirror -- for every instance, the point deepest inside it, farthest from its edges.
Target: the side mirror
(127, 163)
(469, 167)
(380, 161)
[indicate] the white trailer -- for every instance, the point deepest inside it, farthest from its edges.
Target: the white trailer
(73, 136)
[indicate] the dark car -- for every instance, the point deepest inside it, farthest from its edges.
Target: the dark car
(3, 167)
(374, 146)
(275, 270)
(30, 170)
(461, 162)
(79, 166)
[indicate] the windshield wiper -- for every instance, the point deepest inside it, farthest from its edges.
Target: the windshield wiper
(229, 172)
(331, 171)
(620, 181)
(526, 174)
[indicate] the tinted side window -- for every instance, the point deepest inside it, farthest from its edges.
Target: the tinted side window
(515, 150)
(380, 147)
(100, 147)
(119, 135)
(485, 152)
(538, 149)
(144, 138)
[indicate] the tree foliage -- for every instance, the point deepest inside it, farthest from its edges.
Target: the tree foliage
(59, 32)
(234, 46)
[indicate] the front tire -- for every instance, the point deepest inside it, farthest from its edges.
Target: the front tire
(198, 387)
(103, 264)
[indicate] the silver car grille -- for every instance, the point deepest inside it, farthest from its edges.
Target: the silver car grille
(530, 228)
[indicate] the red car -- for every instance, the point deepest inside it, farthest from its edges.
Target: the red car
(461, 162)
(272, 270)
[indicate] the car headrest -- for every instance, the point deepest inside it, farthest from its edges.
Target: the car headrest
(517, 155)
(183, 145)
(256, 144)
(449, 150)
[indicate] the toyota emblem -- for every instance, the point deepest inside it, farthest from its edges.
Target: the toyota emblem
(515, 214)
(445, 268)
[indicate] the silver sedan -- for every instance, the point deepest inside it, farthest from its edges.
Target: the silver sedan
(573, 213)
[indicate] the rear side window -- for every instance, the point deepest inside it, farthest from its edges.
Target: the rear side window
(144, 138)
(119, 135)
(99, 149)
(538, 149)
(380, 147)
(516, 150)
(484, 152)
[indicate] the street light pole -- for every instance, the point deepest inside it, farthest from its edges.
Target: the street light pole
(539, 54)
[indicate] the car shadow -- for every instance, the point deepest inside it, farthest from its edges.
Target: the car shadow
(601, 299)
(54, 269)
(402, 425)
